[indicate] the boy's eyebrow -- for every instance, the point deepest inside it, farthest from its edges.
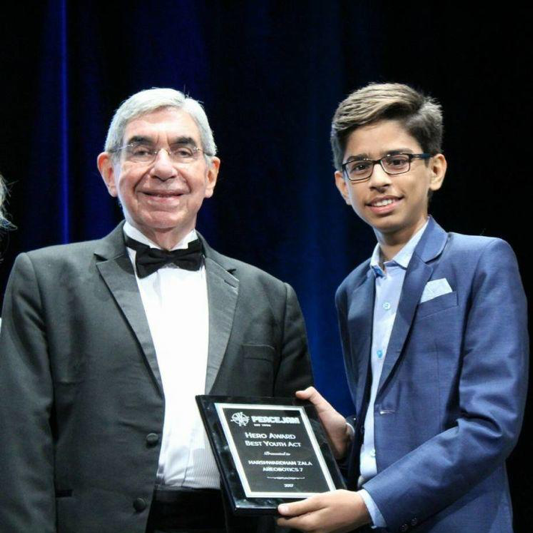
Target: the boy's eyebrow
(358, 157)
(399, 151)
(365, 156)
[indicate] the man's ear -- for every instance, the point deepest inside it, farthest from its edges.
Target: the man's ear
(438, 166)
(342, 185)
(104, 162)
(212, 176)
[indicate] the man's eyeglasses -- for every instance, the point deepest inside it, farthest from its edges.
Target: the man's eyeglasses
(361, 169)
(146, 154)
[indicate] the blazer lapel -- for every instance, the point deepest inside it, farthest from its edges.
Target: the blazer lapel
(416, 277)
(418, 273)
(117, 272)
(360, 319)
(222, 292)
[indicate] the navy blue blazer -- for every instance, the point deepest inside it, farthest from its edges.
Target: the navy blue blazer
(451, 397)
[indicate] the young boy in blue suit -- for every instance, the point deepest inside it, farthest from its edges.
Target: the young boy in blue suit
(434, 335)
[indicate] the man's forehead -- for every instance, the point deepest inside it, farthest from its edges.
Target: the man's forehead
(172, 123)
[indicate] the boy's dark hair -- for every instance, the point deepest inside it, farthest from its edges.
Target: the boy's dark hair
(420, 115)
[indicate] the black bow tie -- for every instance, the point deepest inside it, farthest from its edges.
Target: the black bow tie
(149, 260)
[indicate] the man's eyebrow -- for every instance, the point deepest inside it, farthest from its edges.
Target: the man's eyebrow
(144, 139)
(184, 140)
(140, 139)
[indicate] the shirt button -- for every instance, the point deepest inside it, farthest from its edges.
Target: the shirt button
(373, 453)
(386, 306)
(380, 353)
(414, 522)
(152, 439)
(404, 528)
(139, 504)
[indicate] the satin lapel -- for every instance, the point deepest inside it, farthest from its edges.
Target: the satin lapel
(418, 273)
(117, 272)
(360, 318)
(222, 291)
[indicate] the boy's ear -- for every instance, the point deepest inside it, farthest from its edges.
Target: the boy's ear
(438, 166)
(342, 185)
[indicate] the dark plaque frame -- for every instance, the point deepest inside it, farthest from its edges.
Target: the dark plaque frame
(316, 467)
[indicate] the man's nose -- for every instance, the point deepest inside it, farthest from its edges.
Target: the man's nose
(163, 166)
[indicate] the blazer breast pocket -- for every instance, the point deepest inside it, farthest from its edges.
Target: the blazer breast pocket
(440, 303)
(259, 351)
(258, 367)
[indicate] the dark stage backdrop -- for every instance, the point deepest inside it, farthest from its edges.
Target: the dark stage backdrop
(271, 74)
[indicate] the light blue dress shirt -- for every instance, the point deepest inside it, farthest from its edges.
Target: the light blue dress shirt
(389, 283)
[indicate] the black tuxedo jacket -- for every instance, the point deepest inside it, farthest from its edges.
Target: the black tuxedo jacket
(81, 396)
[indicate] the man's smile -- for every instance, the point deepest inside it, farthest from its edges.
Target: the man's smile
(163, 194)
(166, 194)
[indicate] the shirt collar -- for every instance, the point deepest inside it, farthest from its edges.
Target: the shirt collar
(134, 233)
(402, 258)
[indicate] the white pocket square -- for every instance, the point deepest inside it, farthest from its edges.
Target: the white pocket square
(435, 288)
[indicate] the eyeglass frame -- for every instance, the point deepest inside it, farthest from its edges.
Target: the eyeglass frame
(155, 152)
(424, 156)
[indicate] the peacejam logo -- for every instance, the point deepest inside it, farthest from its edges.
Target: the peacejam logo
(242, 420)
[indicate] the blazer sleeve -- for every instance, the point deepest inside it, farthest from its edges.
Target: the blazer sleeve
(294, 371)
(26, 397)
(492, 390)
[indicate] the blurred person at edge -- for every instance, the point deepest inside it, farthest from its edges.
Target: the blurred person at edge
(4, 222)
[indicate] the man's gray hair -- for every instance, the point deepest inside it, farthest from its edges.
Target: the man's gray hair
(151, 100)
(419, 114)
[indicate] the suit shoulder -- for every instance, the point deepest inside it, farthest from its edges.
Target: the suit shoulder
(472, 241)
(477, 245)
(62, 253)
(471, 256)
(245, 271)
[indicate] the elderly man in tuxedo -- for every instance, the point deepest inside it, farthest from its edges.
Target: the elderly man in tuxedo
(106, 343)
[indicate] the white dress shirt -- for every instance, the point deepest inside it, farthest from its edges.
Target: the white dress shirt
(176, 306)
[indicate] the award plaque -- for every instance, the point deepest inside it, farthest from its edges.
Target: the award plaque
(268, 451)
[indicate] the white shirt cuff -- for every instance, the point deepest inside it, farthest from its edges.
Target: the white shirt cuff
(375, 514)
